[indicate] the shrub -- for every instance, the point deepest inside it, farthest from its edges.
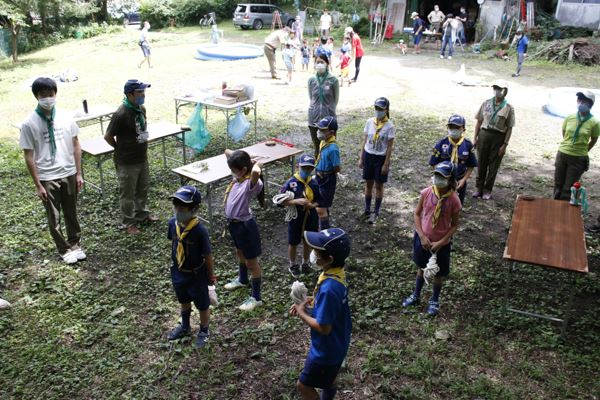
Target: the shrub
(157, 12)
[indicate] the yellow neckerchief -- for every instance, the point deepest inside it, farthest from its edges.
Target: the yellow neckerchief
(335, 273)
(324, 143)
(182, 235)
(454, 156)
(308, 192)
(438, 206)
(378, 126)
(233, 181)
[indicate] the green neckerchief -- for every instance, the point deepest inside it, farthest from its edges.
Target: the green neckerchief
(320, 82)
(139, 116)
(496, 110)
(580, 122)
(50, 125)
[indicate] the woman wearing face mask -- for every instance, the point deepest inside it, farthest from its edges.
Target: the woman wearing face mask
(457, 149)
(495, 120)
(324, 91)
(580, 133)
(375, 155)
(436, 220)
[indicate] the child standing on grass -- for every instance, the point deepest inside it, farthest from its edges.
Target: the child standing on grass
(329, 320)
(288, 59)
(328, 166)
(344, 66)
(192, 270)
(376, 154)
(436, 220)
(306, 199)
(245, 185)
(305, 51)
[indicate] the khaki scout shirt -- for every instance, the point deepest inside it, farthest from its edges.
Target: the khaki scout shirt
(505, 117)
(276, 38)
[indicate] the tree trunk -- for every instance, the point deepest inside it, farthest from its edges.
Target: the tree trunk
(14, 32)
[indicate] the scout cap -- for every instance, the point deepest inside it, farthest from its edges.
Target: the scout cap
(187, 194)
(382, 102)
(306, 160)
(329, 123)
(134, 84)
(587, 95)
(457, 120)
(445, 169)
(334, 241)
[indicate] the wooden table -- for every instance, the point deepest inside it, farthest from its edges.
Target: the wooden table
(211, 171)
(101, 150)
(546, 233)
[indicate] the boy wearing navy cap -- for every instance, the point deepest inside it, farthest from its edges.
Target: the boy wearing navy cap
(457, 149)
(192, 270)
(328, 166)
(329, 320)
(306, 199)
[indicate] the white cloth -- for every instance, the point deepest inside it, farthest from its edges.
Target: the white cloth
(387, 133)
(34, 136)
(291, 211)
(299, 292)
(325, 21)
(431, 269)
(212, 295)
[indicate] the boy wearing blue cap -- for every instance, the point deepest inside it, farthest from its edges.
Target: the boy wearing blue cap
(305, 199)
(459, 150)
(192, 270)
(328, 166)
(436, 220)
(329, 321)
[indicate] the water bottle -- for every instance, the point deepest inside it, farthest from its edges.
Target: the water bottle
(85, 106)
(575, 194)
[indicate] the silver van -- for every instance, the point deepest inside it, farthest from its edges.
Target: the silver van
(256, 16)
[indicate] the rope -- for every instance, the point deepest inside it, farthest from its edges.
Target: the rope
(431, 269)
(290, 211)
(299, 292)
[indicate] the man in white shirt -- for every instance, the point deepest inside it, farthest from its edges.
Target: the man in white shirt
(272, 42)
(436, 17)
(325, 23)
(53, 157)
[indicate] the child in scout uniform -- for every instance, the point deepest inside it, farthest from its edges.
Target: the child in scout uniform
(436, 220)
(329, 320)
(459, 150)
(327, 166)
(245, 185)
(375, 155)
(306, 199)
(192, 269)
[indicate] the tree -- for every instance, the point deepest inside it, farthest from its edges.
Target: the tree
(13, 16)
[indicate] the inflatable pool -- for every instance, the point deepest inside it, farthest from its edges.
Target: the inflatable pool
(228, 51)
(562, 101)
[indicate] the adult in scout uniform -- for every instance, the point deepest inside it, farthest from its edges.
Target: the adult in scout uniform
(580, 133)
(495, 120)
(273, 42)
(324, 92)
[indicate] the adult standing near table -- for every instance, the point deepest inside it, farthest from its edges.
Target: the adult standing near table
(325, 27)
(495, 120)
(274, 41)
(324, 92)
(580, 133)
(418, 28)
(127, 132)
(462, 16)
(435, 18)
(145, 45)
(53, 157)
(357, 50)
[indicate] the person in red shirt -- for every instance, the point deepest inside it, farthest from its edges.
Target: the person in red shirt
(357, 51)
(344, 66)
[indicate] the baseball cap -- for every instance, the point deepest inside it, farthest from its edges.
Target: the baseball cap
(382, 102)
(306, 160)
(187, 194)
(135, 84)
(445, 168)
(328, 123)
(588, 95)
(414, 14)
(500, 84)
(348, 29)
(334, 241)
(457, 120)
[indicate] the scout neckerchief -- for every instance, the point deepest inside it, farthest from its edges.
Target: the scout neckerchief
(139, 116)
(324, 143)
(320, 81)
(438, 206)
(378, 126)
(308, 192)
(455, 146)
(50, 126)
(496, 110)
(336, 273)
(182, 235)
(580, 122)
(233, 181)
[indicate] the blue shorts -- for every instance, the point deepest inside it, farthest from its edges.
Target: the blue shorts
(327, 185)
(145, 49)
(295, 231)
(418, 38)
(372, 164)
(246, 237)
(305, 60)
(317, 375)
(193, 289)
(421, 256)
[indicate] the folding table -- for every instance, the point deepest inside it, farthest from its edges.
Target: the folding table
(95, 115)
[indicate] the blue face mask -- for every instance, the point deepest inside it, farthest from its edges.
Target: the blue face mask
(379, 114)
(183, 217)
(304, 174)
(583, 108)
(139, 100)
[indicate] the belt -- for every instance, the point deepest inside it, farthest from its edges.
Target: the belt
(271, 47)
(492, 130)
(233, 220)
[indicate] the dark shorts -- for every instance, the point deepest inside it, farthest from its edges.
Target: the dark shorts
(145, 49)
(305, 60)
(295, 231)
(372, 164)
(327, 185)
(418, 38)
(194, 289)
(246, 237)
(421, 256)
(317, 375)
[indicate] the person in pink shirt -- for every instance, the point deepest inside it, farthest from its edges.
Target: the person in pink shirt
(436, 220)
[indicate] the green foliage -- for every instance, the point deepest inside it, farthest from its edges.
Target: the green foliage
(189, 12)
(362, 27)
(157, 12)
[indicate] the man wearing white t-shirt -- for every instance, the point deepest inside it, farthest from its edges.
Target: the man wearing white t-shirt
(53, 157)
(325, 24)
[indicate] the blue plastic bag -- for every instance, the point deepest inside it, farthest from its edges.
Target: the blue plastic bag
(198, 137)
(238, 126)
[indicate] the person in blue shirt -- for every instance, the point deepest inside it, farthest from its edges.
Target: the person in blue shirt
(328, 166)
(192, 270)
(522, 44)
(329, 320)
(457, 149)
(306, 199)
(418, 29)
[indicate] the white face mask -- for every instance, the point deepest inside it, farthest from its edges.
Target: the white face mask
(321, 135)
(439, 181)
(454, 133)
(47, 103)
(321, 68)
(379, 114)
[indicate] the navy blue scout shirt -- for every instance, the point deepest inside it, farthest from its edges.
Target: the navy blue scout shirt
(442, 151)
(418, 22)
(331, 308)
(297, 187)
(196, 246)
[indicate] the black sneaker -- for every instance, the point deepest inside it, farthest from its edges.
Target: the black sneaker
(306, 268)
(178, 333)
(594, 228)
(294, 270)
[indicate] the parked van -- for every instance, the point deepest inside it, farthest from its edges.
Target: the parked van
(256, 16)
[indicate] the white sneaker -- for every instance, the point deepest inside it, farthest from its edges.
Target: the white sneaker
(234, 284)
(449, 57)
(4, 305)
(441, 56)
(79, 254)
(250, 304)
(69, 257)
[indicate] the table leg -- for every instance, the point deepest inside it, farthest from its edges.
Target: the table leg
(226, 128)
(164, 151)
(102, 125)
(265, 182)
(176, 111)
(568, 308)
(99, 161)
(255, 131)
(209, 206)
(292, 163)
(183, 147)
(511, 268)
